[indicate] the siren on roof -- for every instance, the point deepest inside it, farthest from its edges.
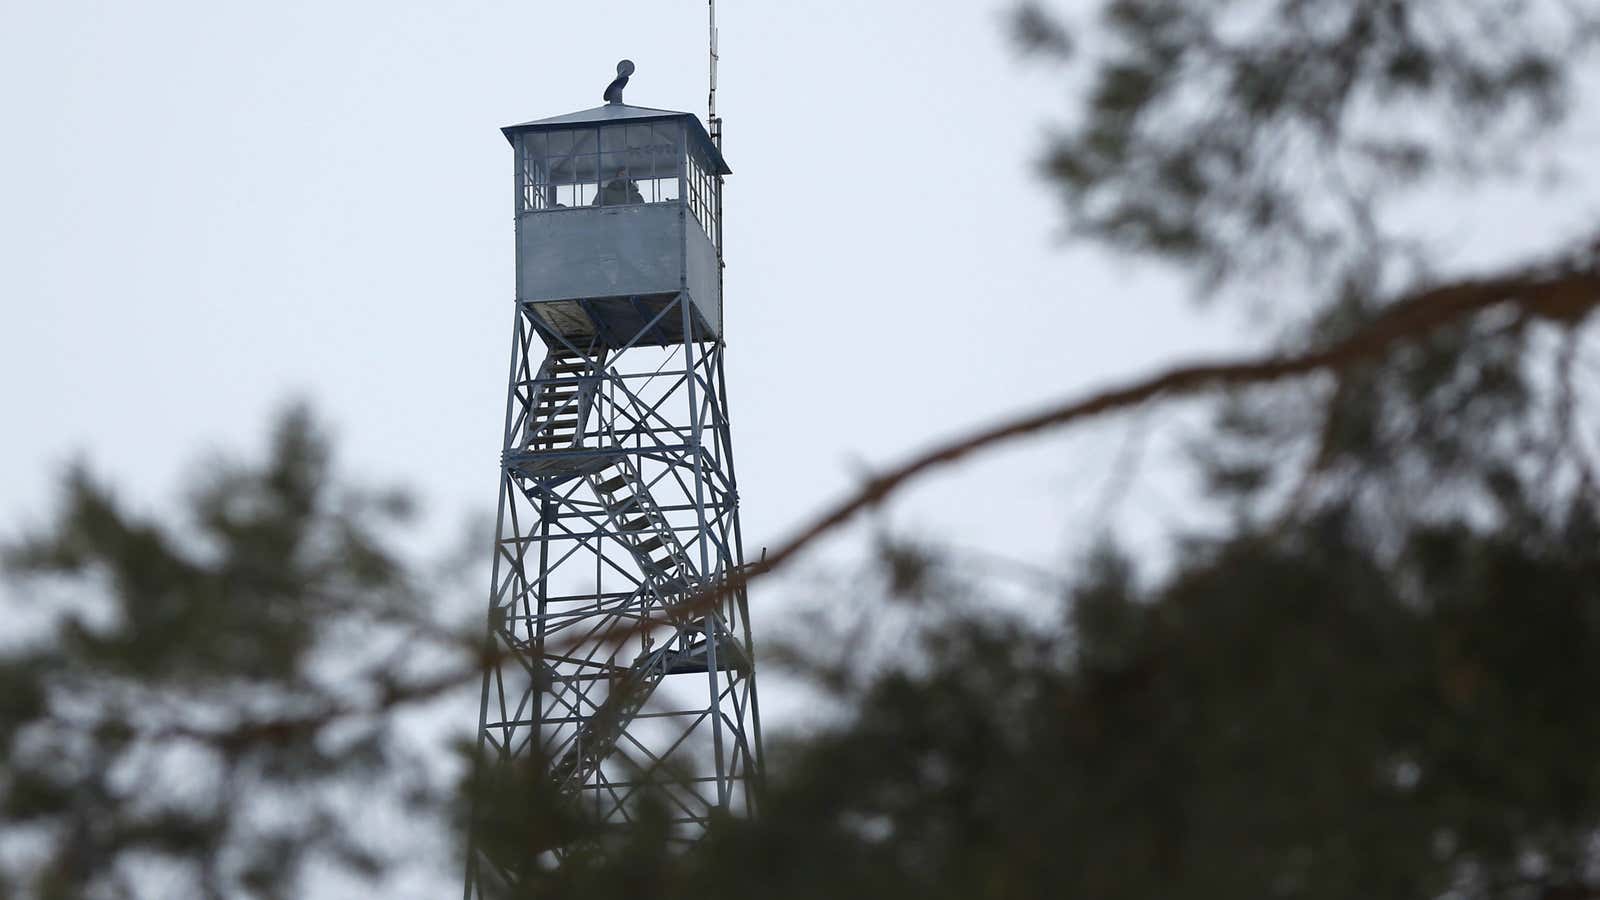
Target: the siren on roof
(614, 90)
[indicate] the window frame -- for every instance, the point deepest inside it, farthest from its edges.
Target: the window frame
(581, 149)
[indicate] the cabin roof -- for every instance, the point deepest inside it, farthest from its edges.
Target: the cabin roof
(612, 113)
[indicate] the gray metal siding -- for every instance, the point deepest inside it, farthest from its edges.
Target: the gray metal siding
(601, 252)
(703, 278)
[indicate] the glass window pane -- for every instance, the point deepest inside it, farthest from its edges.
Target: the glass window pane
(533, 181)
(619, 186)
(613, 165)
(623, 163)
(573, 169)
(667, 136)
(533, 145)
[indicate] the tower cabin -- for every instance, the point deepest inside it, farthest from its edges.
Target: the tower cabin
(618, 213)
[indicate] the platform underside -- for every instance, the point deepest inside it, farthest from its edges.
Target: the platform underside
(642, 320)
(560, 465)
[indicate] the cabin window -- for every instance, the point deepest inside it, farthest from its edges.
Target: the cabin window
(608, 165)
(704, 190)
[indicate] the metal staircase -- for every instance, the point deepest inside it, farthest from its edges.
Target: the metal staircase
(563, 395)
(598, 737)
(645, 531)
(617, 532)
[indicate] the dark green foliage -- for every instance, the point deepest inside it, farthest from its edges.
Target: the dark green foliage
(189, 694)
(1287, 715)
(1261, 139)
(1376, 686)
(518, 820)
(1036, 31)
(1378, 683)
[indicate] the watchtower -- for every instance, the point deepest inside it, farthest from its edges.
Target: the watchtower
(620, 665)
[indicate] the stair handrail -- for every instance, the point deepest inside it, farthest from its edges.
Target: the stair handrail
(588, 750)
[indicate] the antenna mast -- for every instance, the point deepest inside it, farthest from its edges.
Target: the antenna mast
(713, 121)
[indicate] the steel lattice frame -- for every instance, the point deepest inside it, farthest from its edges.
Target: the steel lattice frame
(618, 509)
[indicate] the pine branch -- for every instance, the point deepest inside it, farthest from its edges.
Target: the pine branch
(1564, 291)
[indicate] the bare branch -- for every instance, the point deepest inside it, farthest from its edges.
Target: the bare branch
(1563, 292)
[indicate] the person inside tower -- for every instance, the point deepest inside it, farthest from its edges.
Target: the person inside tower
(619, 191)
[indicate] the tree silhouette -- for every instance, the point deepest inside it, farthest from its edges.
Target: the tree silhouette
(210, 700)
(1376, 682)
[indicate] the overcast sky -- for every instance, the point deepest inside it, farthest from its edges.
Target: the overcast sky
(210, 208)
(207, 209)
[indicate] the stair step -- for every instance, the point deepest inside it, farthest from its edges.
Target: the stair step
(649, 545)
(566, 368)
(673, 586)
(565, 353)
(626, 504)
(638, 524)
(665, 563)
(597, 738)
(607, 487)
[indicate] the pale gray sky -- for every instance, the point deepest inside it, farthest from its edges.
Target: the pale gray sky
(211, 207)
(207, 208)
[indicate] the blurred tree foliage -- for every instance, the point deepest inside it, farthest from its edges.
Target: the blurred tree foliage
(1315, 158)
(1377, 682)
(200, 711)
(1285, 715)
(1269, 139)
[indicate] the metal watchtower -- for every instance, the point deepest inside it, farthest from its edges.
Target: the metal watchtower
(618, 504)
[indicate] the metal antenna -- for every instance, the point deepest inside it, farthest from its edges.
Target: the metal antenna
(712, 119)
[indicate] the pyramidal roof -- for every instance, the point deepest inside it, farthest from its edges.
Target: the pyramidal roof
(610, 112)
(622, 112)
